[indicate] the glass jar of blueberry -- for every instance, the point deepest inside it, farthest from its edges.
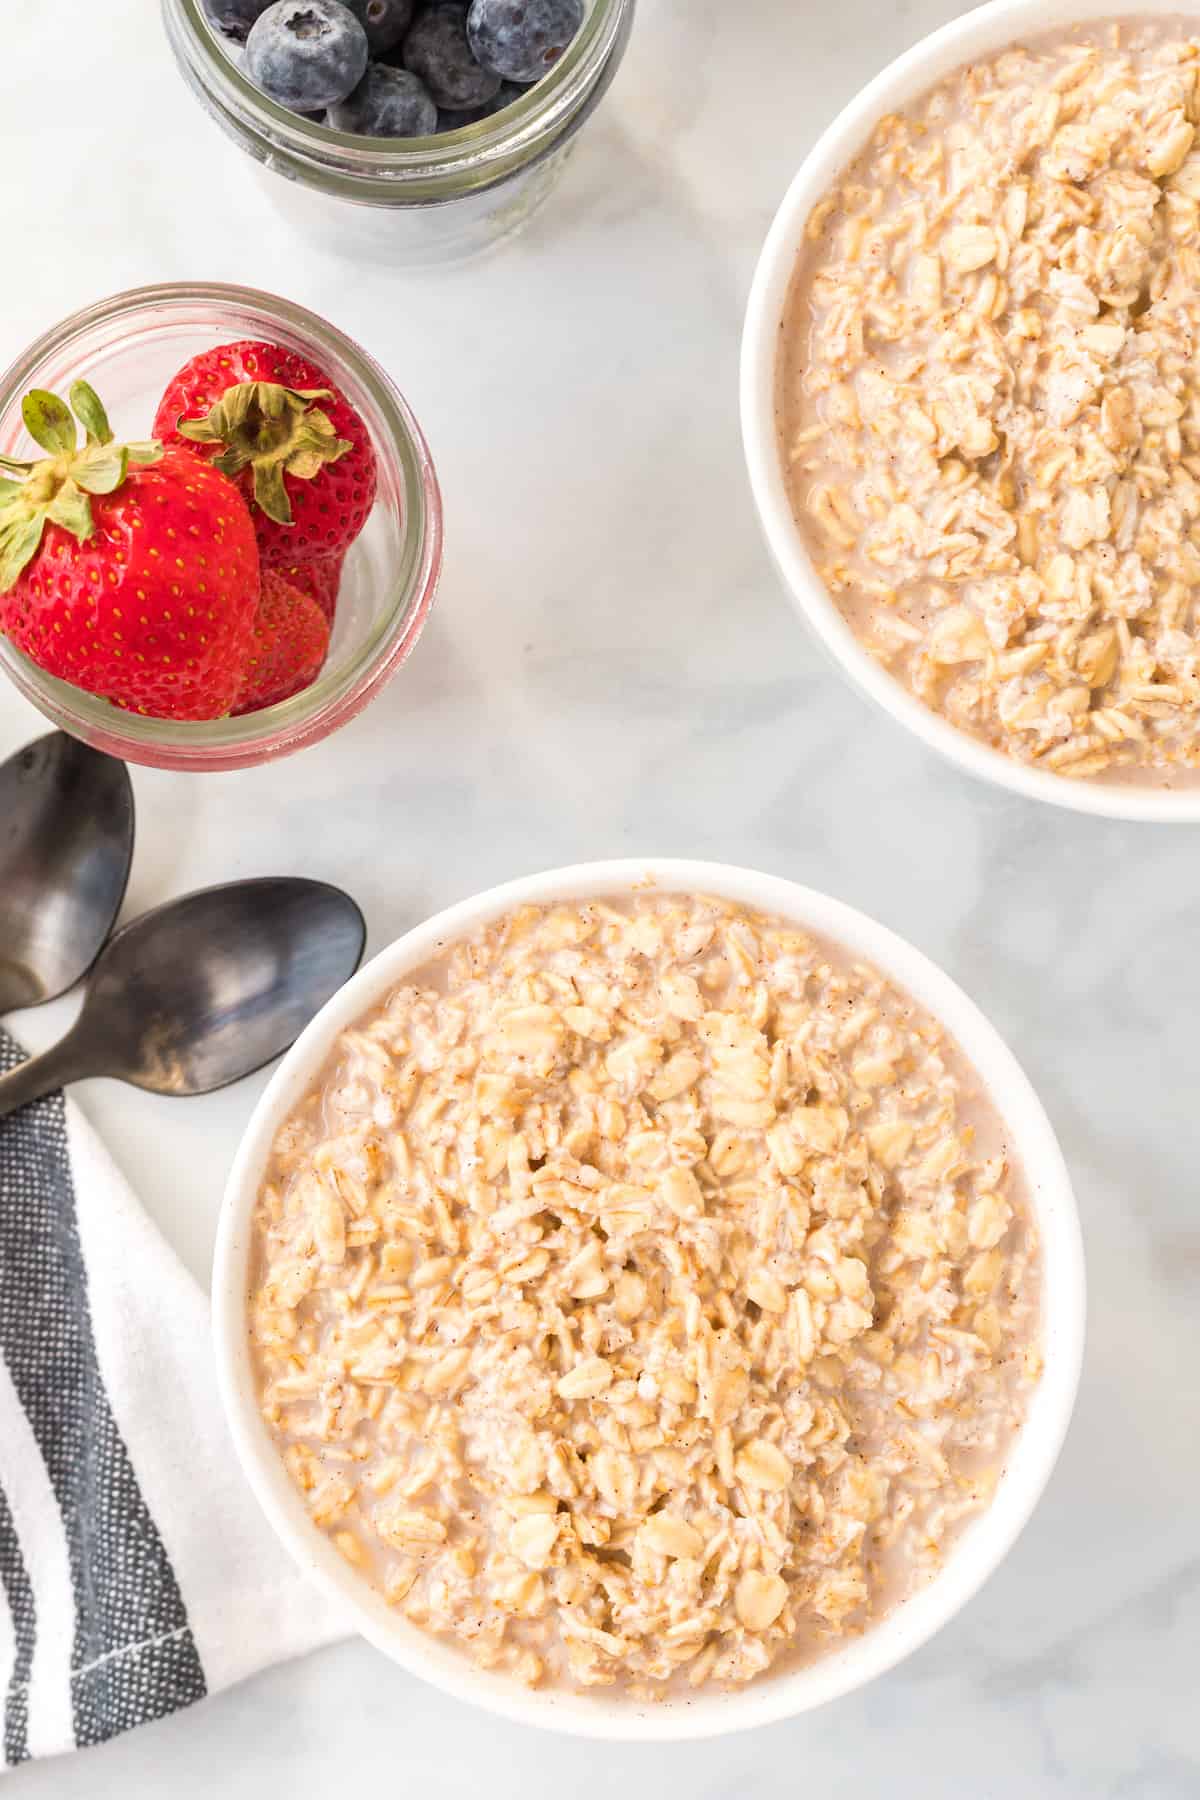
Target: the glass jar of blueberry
(402, 130)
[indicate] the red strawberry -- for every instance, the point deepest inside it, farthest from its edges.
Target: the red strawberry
(125, 569)
(291, 637)
(274, 423)
(320, 580)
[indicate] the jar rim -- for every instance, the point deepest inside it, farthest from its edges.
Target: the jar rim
(402, 170)
(335, 697)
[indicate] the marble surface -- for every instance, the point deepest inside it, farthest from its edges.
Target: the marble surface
(612, 669)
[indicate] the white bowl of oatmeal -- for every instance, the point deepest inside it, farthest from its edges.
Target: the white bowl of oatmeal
(969, 404)
(650, 1297)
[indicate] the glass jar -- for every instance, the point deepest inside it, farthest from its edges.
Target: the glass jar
(417, 200)
(128, 347)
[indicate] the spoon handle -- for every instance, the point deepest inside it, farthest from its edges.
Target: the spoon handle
(31, 1080)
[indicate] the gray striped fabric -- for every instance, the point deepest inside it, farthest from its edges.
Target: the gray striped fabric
(136, 1573)
(18, 1591)
(132, 1657)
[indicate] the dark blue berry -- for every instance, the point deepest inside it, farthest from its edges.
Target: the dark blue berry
(307, 54)
(450, 120)
(235, 17)
(522, 39)
(384, 21)
(437, 50)
(389, 103)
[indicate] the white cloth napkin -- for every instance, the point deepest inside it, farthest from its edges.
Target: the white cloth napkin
(136, 1573)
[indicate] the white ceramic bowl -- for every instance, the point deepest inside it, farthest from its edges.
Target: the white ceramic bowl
(982, 32)
(975, 1554)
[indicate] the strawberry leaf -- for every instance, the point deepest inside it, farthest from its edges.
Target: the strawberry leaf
(270, 493)
(19, 541)
(304, 464)
(104, 470)
(72, 510)
(48, 421)
(231, 462)
(89, 410)
(200, 431)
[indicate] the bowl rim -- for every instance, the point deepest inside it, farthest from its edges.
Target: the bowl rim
(334, 698)
(976, 1553)
(984, 30)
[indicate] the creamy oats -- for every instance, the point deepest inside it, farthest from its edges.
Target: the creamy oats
(990, 402)
(645, 1294)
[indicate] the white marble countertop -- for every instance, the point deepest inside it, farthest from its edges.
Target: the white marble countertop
(611, 669)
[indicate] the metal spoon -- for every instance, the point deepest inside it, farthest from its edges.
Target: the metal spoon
(204, 990)
(66, 844)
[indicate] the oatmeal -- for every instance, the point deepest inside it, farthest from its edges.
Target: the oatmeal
(990, 400)
(645, 1294)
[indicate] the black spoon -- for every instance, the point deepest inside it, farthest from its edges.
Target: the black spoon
(66, 844)
(204, 990)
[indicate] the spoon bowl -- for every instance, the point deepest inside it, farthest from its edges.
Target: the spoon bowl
(66, 846)
(204, 990)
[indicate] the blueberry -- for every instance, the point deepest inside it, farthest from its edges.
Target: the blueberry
(235, 17)
(437, 50)
(451, 119)
(384, 21)
(521, 39)
(307, 54)
(389, 103)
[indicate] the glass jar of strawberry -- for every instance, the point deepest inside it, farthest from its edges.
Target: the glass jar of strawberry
(402, 130)
(220, 527)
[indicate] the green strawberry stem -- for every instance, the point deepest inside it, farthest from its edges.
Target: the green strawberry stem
(275, 431)
(58, 487)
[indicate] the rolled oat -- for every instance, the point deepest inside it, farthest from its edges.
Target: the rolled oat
(990, 406)
(619, 1377)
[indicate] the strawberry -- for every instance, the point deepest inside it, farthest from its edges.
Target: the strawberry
(275, 424)
(126, 569)
(291, 637)
(320, 580)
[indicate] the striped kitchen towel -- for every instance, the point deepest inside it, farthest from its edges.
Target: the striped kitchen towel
(136, 1574)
